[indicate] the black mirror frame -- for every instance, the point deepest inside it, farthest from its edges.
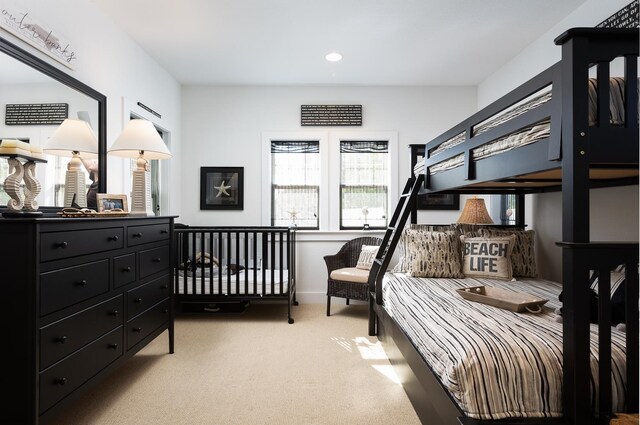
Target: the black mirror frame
(38, 64)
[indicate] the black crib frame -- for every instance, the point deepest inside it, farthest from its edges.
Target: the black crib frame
(576, 149)
(263, 252)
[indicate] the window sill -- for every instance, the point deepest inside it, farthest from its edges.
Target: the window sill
(334, 235)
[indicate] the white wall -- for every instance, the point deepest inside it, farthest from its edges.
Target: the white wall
(613, 211)
(222, 126)
(110, 62)
(543, 53)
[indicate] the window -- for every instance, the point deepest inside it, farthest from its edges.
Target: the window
(364, 181)
(295, 183)
(508, 208)
(322, 180)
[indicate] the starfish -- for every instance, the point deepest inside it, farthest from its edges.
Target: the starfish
(222, 189)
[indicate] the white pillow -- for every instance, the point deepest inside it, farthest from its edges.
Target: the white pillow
(367, 255)
(487, 257)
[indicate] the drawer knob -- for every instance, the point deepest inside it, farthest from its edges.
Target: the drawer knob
(137, 300)
(62, 244)
(113, 346)
(164, 287)
(113, 238)
(62, 339)
(137, 235)
(165, 311)
(157, 260)
(164, 232)
(137, 330)
(61, 381)
(82, 283)
(126, 269)
(114, 313)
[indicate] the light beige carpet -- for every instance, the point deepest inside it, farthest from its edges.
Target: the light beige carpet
(254, 368)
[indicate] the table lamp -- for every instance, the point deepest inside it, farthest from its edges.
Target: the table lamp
(73, 138)
(475, 212)
(140, 140)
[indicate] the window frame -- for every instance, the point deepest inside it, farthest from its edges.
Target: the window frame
(274, 187)
(341, 187)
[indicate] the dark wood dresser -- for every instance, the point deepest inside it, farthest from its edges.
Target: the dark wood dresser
(79, 297)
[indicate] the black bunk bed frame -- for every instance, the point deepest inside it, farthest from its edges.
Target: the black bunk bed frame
(564, 162)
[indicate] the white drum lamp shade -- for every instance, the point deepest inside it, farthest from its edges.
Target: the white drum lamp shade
(73, 138)
(140, 140)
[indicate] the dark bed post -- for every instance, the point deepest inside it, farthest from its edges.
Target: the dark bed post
(575, 227)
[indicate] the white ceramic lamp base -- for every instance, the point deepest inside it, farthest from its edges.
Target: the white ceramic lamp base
(75, 183)
(141, 190)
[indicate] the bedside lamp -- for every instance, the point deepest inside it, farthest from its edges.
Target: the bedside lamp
(140, 140)
(475, 212)
(73, 138)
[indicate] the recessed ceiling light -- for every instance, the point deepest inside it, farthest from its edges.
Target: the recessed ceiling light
(333, 57)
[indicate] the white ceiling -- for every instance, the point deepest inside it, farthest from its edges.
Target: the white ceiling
(384, 42)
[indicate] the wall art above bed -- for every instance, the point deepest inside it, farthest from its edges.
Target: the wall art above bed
(221, 188)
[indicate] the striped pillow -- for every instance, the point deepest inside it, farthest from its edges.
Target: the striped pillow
(487, 257)
(523, 255)
(432, 254)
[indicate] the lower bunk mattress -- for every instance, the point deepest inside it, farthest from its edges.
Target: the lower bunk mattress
(246, 282)
(495, 363)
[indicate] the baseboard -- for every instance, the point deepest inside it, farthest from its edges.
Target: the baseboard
(321, 298)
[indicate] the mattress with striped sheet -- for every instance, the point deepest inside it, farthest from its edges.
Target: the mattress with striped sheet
(267, 282)
(495, 363)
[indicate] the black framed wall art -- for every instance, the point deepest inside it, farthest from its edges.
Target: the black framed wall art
(438, 201)
(221, 188)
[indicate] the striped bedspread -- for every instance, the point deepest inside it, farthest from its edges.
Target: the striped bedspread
(495, 363)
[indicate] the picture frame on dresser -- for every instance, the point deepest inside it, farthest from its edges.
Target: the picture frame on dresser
(109, 202)
(221, 188)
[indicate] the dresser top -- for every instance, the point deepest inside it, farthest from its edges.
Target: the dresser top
(47, 218)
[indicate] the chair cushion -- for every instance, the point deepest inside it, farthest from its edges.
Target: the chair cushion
(350, 274)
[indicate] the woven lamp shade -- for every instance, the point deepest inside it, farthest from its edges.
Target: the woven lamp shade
(475, 212)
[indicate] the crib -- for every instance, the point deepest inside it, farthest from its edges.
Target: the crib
(216, 265)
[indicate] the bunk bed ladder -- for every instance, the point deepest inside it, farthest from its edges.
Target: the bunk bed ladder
(406, 204)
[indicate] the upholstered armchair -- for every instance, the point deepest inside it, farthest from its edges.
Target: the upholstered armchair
(344, 280)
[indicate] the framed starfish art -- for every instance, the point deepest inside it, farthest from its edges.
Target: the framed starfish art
(221, 188)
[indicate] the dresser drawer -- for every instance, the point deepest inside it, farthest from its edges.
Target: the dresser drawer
(147, 322)
(61, 379)
(65, 287)
(57, 245)
(145, 296)
(124, 269)
(62, 338)
(153, 260)
(137, 235)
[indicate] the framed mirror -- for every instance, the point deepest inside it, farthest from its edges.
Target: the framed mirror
(28, 80)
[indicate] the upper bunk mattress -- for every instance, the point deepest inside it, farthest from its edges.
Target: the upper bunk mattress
(495, 363)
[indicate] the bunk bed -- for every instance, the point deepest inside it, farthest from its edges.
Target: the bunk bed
(567, 130)
(221, 265)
